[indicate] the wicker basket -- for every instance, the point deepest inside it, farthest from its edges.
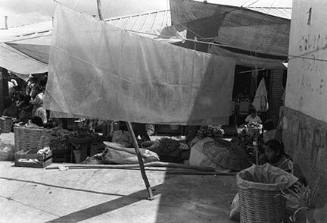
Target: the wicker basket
(260, 202)
(29, 138)
(6, 124)
(261, 206)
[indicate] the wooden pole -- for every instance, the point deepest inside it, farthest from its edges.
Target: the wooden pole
(140, 160)
(99, 9)
(130, 129)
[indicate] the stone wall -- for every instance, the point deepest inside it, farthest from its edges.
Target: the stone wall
(305, 139)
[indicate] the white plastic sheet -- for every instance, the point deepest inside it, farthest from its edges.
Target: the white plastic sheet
(100, 71)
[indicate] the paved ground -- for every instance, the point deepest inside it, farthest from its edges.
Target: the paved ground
(37, 195)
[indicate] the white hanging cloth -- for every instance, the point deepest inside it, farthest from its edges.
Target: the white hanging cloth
(260, 101)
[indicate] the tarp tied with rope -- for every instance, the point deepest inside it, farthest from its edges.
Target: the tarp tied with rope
(100, 71)
(250, 37)
(19, 62)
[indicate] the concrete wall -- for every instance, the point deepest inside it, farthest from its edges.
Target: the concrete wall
(307, 78)
(305, 139)
(275, 94)
(305, 116)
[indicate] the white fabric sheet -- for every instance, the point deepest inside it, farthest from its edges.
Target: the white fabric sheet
(100, 71)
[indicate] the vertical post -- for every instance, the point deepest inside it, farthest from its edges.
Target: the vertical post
(99, 9)
(140, 160)
(6, 22)
(3, 88)
(130, 129)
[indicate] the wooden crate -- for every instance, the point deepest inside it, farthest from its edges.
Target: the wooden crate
(29, 138)
(43, 161)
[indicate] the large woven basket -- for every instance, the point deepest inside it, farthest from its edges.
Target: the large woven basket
(5, 124)
(259, 206)
(260, 202)
(29, 138)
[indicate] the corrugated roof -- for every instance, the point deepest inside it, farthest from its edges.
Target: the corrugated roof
(149, 23)
(152, 22)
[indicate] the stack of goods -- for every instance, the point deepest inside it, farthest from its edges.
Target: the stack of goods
(7, 147)
(29, 137)
(210, 131)
(6, 124)
(208, 152)
(59, 145)
(254, 129)
(34, 158)
(115, 153)
(169, 150)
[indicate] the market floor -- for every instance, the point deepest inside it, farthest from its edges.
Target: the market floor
(38, 195)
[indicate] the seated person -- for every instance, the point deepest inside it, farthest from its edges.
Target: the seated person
(269, 133)
(275, 155)
(140, 130)
(25, 108)
(11, 109)
(35, 122)
(253, 117)
(41, 112)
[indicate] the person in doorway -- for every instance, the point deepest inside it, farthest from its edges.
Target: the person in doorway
(253, 117)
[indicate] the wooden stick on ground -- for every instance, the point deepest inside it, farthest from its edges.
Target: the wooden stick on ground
(140, 160)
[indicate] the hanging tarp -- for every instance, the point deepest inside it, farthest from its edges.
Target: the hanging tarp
(100, 71)
(246, 59)
(20, 63)
(250, 36)
(35, 46)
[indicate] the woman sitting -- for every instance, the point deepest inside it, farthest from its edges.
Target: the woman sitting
(275, 155)
(253, 117)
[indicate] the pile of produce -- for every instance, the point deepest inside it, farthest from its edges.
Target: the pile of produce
(210, 131)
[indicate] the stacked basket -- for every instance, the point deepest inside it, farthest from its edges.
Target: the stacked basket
(6, 124)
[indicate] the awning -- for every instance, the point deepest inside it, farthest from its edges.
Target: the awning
(20, 63)
(251, 37)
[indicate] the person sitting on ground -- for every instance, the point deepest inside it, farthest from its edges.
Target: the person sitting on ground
(24, 107)
(11, 109)
(42, 113)
(37, 99)
(275, 155)
(253, 117)
(140, 130)
(35, 122)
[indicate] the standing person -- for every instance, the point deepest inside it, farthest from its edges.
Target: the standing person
(253, 117)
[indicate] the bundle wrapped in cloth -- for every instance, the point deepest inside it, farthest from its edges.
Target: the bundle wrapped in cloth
(115, 153)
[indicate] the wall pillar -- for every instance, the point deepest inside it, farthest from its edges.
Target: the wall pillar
(275, 94)
(3, 88)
